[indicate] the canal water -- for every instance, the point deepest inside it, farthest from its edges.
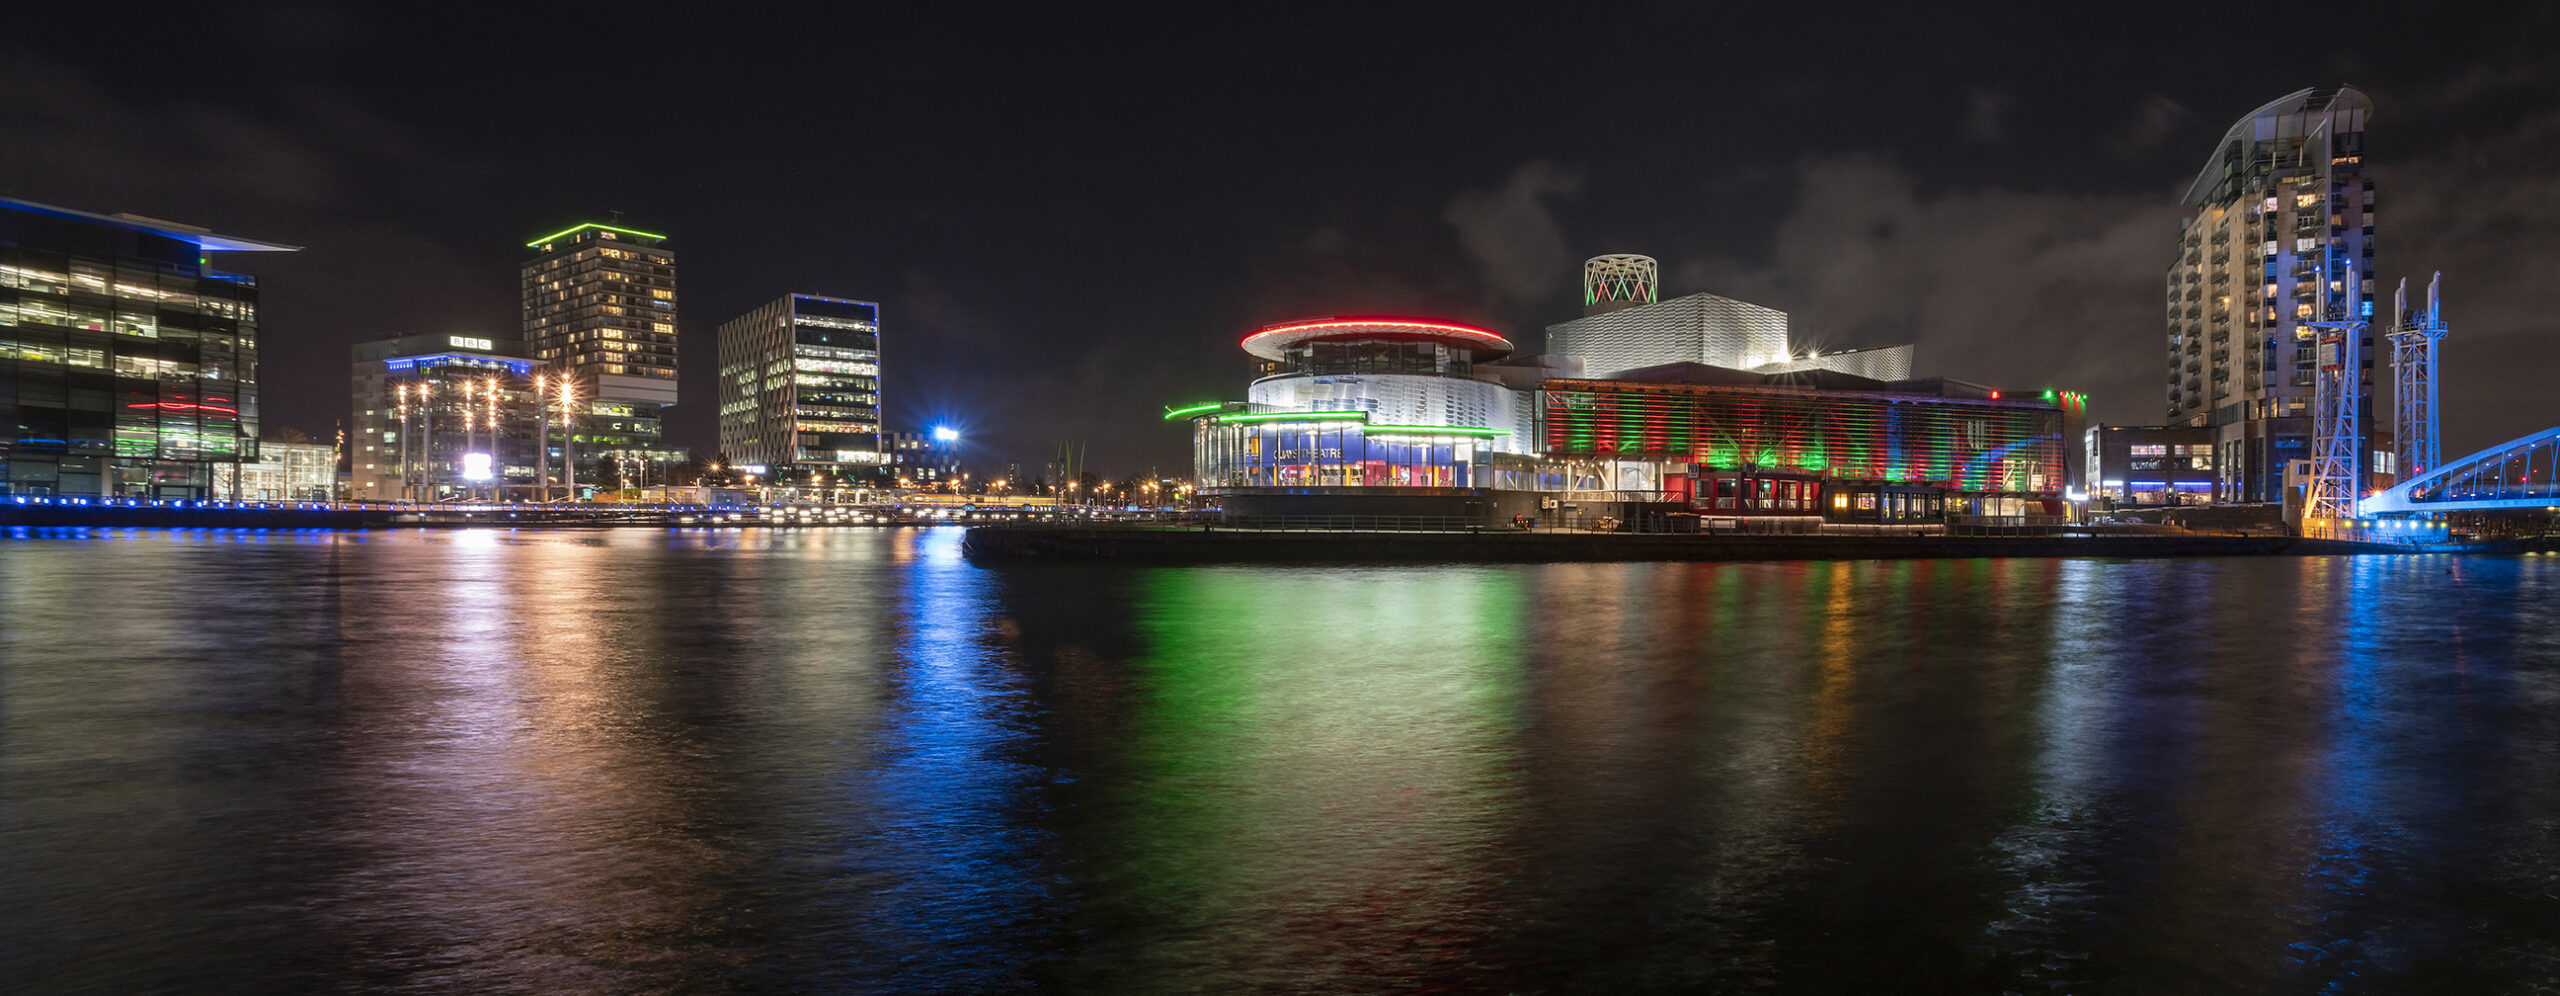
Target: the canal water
(848, 760)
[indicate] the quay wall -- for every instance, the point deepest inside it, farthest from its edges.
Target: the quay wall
(1172, 545)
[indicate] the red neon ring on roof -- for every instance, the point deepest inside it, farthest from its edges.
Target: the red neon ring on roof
(1269, 341)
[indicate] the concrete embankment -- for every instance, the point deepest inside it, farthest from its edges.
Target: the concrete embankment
(1169, 545)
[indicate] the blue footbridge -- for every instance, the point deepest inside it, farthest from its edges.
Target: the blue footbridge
(2519, 475)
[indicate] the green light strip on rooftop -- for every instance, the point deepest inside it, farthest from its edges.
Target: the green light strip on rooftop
(573, 229)
(1293, 416)
(1432, 430)
(1174, 413)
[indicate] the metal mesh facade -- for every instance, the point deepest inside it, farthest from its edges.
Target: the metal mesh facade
(1698, 328)
(1886, 363)
(1954, 443)
(1399, 399)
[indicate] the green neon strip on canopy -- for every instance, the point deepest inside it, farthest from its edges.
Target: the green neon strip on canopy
(1293, 416)
(1175, 413)
(1431, 430)
(537, 243)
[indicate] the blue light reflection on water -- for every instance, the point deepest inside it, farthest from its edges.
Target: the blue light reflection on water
(939, 841)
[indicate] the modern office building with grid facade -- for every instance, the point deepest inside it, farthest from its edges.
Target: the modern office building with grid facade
(800, 388)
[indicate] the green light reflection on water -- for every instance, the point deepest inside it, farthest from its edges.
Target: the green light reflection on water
(1326, 744)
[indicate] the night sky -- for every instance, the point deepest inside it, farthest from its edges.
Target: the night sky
(1071, 215)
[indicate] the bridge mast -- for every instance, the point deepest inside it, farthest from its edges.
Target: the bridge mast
(2337, 439)
(2414, 342)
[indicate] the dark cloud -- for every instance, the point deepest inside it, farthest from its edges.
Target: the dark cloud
(1511, 231)
(2153, 120)
(2483, 208)
(1986, 114)
(2000, 287)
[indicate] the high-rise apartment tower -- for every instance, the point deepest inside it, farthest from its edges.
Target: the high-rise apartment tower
(600, 308)
(2281, 237)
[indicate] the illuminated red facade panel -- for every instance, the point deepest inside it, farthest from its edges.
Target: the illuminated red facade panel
(1960, 444)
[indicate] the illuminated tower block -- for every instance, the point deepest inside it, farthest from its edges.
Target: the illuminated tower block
(2282, 222)
(600, 308)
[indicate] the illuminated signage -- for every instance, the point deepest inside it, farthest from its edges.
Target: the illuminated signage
(467, 342)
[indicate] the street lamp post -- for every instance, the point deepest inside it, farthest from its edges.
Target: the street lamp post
(404, 442)
(427, 445)
(568, 441)
(541, 437)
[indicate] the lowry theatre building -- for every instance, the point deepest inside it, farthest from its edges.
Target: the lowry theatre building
(1416, 417)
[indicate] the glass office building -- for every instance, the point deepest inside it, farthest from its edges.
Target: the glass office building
(800, 388)
(128, 365)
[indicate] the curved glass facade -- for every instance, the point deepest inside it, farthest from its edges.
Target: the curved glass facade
(1340, 453)
(1402, 399)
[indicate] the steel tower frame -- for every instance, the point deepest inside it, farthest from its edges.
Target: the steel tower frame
(1622, 279)
(2415, 340)
(2337, 442)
